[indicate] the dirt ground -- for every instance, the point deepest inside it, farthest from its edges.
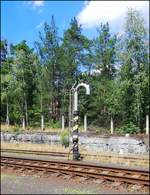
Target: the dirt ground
(20, 183)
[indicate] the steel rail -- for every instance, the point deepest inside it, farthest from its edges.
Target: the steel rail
(80, 169)
(61, 154)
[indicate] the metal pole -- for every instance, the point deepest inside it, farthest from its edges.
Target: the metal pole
(70, 112)
(76, 154)
(75, 100)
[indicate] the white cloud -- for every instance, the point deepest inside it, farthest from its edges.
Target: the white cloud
(40, 24)
(35, 3)
(86, 2)
(95, 12)
(38, 3)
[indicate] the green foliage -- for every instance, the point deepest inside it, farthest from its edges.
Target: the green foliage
(76, 191)
(49, 56)
(133, 57)
(36, 83)
(16, 129)
(54, 124)
(105, 51)
(128, 128)
(4, 52)
(64, 138)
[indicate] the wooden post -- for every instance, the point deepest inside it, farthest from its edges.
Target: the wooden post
(63, 123)
(147, 124)
(7, 117)
(112, 125)
(26, 113)
(85, 122)
(23, 123)
(42, 122)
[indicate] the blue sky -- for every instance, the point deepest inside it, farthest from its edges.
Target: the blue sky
(21, 20)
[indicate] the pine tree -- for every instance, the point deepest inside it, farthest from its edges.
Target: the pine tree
(48, 49)
(74, 47)
(133, 77)
(105, 53)
(6, 82)
(24, 70)
(104, 60)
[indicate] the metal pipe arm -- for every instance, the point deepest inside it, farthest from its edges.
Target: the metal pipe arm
(86, 86)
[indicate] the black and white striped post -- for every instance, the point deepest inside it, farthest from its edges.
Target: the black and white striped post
(75, 136)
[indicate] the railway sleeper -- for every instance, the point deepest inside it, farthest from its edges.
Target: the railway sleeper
(126, 176)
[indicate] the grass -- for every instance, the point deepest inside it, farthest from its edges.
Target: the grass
(38, 147)
(8, 128)
(76, 191)
(30, 146)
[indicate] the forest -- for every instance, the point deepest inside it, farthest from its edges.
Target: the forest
(35, 82)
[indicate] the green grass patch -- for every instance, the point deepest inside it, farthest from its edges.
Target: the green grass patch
(76, 191)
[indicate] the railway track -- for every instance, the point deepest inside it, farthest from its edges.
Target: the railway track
(60, 154)
(82, 169)
(57, 154)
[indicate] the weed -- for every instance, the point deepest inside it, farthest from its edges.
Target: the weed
(16, 129)
(75, 191)
(64, 138)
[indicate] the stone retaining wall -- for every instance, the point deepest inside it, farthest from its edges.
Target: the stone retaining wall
(117, 145)
(124, 159)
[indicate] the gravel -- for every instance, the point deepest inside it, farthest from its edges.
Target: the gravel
(13, 184)
(20, 183)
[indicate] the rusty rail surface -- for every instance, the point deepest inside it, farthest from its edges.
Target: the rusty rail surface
(73, 168)
(61, 154)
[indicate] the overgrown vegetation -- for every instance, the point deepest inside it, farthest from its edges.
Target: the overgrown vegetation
(128, 128)
(16, 129)
(35, 83)
(64, 138)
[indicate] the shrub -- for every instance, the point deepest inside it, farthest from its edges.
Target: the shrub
(128, 128)
(53, 125)
(64, 138)
(16, 129)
